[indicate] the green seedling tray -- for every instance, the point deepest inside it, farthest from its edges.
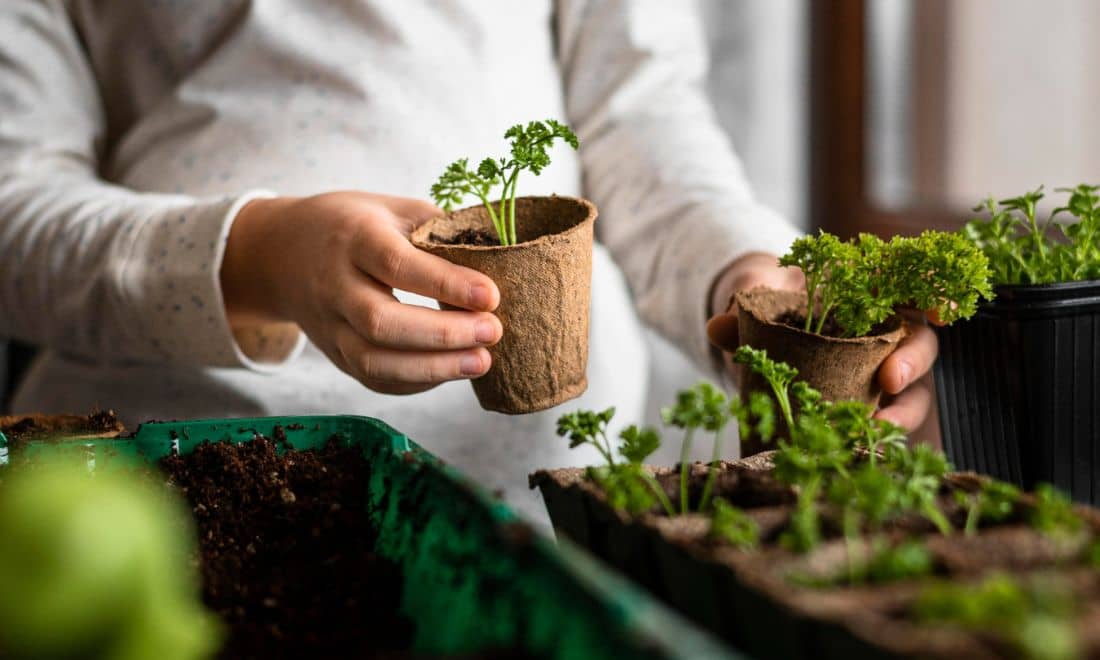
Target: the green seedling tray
(476, 576)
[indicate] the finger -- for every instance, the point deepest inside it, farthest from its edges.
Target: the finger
(382, 365)
(398, 264)
(416, 211)
(909, 409)
(911, 360)
(399, 388)
(387, 323)
(722, 331)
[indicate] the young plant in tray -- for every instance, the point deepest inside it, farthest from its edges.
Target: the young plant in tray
(627, 485)
(538, 251)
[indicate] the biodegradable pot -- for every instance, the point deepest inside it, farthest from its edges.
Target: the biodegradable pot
(545, 287)
(1017, 386)
(841, 368)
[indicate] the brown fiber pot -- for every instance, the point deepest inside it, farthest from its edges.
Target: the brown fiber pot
(545, 288)
(841, 368)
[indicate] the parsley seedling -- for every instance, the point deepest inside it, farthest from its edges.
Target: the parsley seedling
(529, 152)
(702, 406)
(863, 282)
(1036, 618)
(1023, 250)
(995, 501)
(733, 526)
(628, 486)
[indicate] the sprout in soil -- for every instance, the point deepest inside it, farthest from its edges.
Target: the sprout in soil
(1035, 618)
(529, 146)
(861, 283)
(629, 486)
(702, 406)
(995, 501)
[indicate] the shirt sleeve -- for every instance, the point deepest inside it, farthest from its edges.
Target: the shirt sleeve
(675, 207)
(88, 268)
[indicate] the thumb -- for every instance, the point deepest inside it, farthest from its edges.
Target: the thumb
(722, 331)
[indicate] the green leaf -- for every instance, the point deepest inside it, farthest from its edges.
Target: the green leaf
(733, 526)
(638, 444)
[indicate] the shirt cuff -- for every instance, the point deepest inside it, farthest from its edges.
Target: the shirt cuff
(172, 274)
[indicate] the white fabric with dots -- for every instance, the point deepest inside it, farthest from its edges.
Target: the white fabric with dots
(130, 132)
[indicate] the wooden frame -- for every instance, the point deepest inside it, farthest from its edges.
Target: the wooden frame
(839, 198)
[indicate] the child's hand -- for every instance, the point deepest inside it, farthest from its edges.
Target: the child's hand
(329, 263)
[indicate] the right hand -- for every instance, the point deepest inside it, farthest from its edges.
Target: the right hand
(330, 263)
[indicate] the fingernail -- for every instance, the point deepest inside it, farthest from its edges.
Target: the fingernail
(905, 372)
(485, 332)
(470, 365)
(480, 296)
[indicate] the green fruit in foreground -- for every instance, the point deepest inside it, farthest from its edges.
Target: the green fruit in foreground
(97, 565)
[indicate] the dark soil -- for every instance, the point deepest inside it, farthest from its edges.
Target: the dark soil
(22, 428)
(830, 329)
(286, 551)
(467, 237)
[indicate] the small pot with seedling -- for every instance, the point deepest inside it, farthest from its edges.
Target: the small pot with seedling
(838, 331)
(538, 251)
(843, 541)
(1017, 384)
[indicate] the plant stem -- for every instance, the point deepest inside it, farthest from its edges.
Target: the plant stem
(498, 225)
(654, 486)
(610, 454)
(716, 456)
(685, 453)
(972, 516)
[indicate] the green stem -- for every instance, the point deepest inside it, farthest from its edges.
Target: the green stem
(685, 453)
(666, 504)
(610, 454)
(497, 224)
(606, 456)
(933, 513)
(972, 516)
(508, 202)
(716, 456)
(811, 295)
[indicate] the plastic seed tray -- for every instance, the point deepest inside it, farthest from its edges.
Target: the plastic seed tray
(476, 577)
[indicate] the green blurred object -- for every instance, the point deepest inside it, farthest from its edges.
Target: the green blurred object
(96, 565)
(476, 578)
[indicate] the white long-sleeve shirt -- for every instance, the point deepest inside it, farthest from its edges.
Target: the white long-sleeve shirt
(131, 132)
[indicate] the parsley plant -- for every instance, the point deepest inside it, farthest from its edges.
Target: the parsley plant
(529, 147)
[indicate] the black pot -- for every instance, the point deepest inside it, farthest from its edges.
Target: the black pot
(1018, 386)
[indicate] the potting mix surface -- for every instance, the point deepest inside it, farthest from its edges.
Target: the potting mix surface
(286, 550)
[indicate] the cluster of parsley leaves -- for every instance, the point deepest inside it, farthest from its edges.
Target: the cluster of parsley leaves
(1023, 250)
(862, 282)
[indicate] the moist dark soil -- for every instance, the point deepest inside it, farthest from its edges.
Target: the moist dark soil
(466, 237)
(286, 551)
(22, 428)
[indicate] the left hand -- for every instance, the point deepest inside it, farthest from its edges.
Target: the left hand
(909, 395)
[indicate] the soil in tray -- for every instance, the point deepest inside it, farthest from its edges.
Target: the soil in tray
(23, 428)
(286, 551)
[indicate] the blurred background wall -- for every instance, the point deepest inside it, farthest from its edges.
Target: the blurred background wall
(759, 85)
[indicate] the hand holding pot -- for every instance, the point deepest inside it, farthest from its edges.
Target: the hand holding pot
(900, 375)
(328, 264)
